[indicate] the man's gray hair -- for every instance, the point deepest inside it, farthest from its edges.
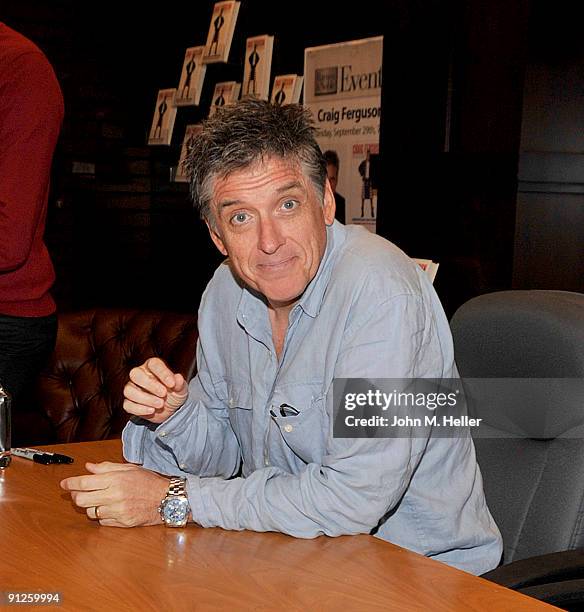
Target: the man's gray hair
(238, 136)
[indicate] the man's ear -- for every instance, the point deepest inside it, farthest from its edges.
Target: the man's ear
(216, 239)
(329, 206)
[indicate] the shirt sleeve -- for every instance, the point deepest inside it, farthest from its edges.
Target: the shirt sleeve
(196, 439)
(31, 112)
(359, 481)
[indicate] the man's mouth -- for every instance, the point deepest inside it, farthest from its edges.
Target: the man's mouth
(276, 266)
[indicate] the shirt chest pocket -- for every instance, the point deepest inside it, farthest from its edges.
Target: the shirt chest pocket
(239, 400)
(298, 413)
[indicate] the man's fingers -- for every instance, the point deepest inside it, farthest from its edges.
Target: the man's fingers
(180, 384)
(110, 514)
(158, 368)
(139, 396)
(144, 379)
(111, 523)
(131, 497)
(149, 414)
(88, 482)
(98, 480)
(90, 500)
(92, 513)
(102, 514)
(153, 377)
(154, 391)
(109, 466)
(176, 398)
(138, 409)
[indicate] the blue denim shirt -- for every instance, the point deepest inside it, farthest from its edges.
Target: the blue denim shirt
(369, 312)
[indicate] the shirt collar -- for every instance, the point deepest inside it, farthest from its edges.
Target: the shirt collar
(311, 300)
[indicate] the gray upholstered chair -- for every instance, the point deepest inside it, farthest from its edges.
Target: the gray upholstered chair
(534, 486)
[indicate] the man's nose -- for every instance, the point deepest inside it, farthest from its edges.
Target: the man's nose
(270, 237)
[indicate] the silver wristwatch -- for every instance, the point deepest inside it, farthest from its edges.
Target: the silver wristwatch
(174, 508)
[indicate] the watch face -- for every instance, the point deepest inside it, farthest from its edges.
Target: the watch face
(175, 510)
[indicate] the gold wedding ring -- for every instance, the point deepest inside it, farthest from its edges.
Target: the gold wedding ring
(97, 513)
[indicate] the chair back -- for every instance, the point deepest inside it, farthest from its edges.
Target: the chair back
(80, 390)
(534, 487)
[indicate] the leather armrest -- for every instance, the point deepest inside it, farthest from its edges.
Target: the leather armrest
(541, 570)
(567, 594)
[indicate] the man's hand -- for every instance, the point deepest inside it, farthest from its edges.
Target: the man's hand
(154, 392)
(124, 494)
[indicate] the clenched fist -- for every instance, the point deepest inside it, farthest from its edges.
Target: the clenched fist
(154, 392)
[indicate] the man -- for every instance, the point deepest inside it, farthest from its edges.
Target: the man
(300, 301)
(332, 172)
(31, 112)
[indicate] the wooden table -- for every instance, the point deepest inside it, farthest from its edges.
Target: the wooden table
(49, 546)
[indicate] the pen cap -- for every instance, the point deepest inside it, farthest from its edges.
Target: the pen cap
(5, 428)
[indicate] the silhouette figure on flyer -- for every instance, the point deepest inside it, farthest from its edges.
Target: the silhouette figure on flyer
(220, 99)
(162, 107)
(217, 24)
(190, 67)
(280, 96)
(254, 60)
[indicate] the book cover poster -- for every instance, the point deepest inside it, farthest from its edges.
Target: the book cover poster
(191, 78)
(342, 88)
(164, 116)
(286, 89)
(191, 132)
(221, 32)
(224, 94)
(257, 67)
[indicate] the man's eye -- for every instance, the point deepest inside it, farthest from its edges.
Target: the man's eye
(239, 218)
(290, 204)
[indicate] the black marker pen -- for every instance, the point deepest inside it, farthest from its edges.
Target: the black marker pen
(39, 456)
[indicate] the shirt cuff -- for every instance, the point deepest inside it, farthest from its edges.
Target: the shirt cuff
(133, 436)
(138, 430)
(196, 500)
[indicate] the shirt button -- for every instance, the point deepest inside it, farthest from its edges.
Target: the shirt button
(162, 434)
(231, 402)
(288, 428)
(182, 466)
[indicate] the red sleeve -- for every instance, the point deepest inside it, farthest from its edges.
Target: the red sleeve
(31, 112)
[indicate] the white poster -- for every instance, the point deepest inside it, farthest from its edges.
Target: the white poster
(342, 87)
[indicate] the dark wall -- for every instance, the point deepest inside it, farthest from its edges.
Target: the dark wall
(450, 140)
(482, 141)
(549, 249)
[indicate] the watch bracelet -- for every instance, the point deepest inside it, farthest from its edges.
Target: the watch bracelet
(176, 486)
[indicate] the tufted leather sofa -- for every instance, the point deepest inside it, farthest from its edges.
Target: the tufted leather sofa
(79, 394)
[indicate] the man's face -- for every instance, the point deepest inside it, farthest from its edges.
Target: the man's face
(333, 175)
(270, 223)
